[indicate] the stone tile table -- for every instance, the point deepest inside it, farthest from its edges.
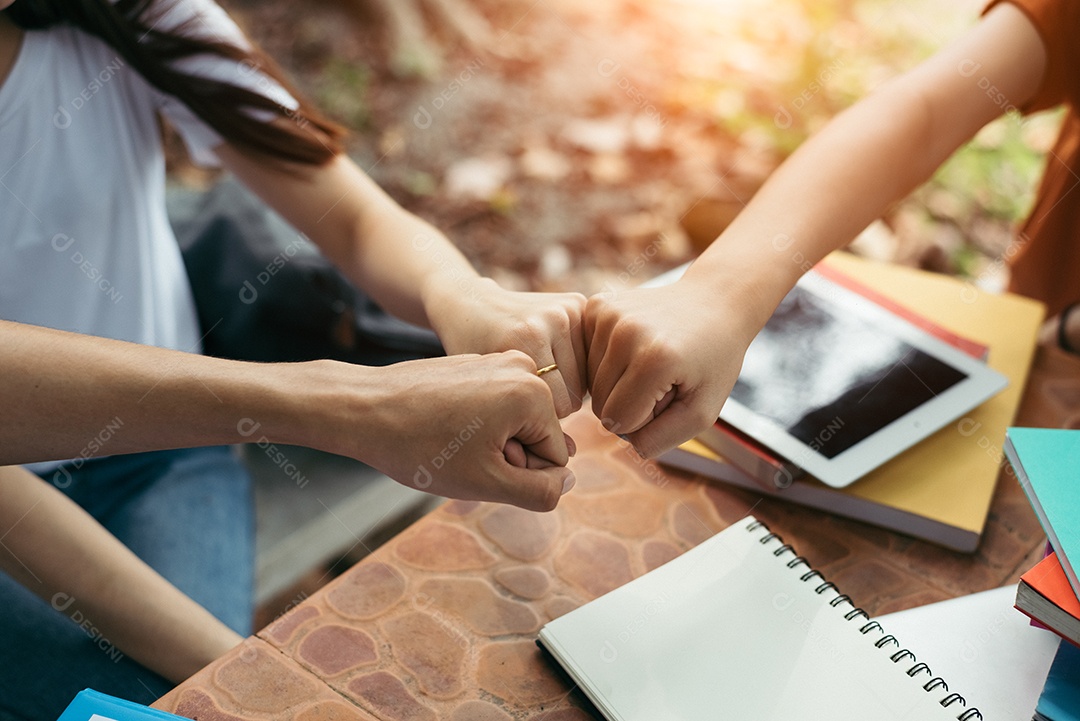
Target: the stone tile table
(440, 622)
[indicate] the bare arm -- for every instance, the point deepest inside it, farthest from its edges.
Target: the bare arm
(61, 390)
(57, 551)
(416, 273)
(649, 359)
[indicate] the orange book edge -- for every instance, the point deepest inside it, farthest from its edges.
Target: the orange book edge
(1048, 579)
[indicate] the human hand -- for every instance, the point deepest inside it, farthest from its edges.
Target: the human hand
(478, 316)
(467, 427)
(662, 361)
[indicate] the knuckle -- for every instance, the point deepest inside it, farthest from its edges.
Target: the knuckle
(658, 352)
(596, 305)
(519, 357)
(576, 303)
(530, 390)
(532, 328)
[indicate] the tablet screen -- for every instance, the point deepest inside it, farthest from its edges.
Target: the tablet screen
(831, 378)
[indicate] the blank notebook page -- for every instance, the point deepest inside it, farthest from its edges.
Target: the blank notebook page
(729, 630)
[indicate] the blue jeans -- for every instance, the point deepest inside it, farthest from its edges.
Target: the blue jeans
(188, 514)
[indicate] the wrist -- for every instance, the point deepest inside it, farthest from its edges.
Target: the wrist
(446, 297)
(324, 404)
(743, 289)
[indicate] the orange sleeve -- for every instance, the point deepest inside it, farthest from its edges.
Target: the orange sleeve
(1057, 22)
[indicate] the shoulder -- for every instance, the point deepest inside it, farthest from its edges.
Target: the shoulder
(1056, 22)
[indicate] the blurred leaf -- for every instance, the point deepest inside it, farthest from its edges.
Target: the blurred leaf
(341, 90)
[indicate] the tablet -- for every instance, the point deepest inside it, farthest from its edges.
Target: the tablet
(838, 385)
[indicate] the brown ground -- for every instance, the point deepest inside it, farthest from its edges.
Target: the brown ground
(556, 158)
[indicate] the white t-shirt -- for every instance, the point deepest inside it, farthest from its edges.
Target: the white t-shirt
(85, 244)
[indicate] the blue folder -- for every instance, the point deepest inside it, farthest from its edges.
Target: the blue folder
(89, 704)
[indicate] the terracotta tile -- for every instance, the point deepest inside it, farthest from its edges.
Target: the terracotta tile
(1033, 557)
(647, 470)
(628, 512)
(999, 546)
(389, 699)
(254, 682)
(566, 714)
(958, 573)
(332, 711)
(438, 546)
(479, 711)
(693, 522)
(656, 553)
(460, 508)
(516, 673)
(865, 532)
(474, 600)
(366, 590)
(281, 630)
(871, 584)
(1011, 510)
(559, 606)
(432, 651)
(525, 581)
(195, 704)
(595, 472)
(328, 650)
(919, 597)
(594, 563)
(521, 534)
(730, 504)
(822, 549)
(259, 679)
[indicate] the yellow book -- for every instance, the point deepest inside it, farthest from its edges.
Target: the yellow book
(940, 489)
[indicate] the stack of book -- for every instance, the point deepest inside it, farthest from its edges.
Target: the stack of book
(1047, 465)
(940, 489)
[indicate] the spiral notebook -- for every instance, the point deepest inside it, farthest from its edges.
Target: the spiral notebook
(741, 627)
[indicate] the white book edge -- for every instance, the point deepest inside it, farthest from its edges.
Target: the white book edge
(832, 501)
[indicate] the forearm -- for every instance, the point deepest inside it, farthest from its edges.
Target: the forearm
(61, 554)
(427, 269)
(68, 395)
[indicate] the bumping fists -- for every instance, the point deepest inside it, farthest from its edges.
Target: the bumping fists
(658, 363)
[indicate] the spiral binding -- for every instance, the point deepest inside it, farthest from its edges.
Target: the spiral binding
(898, 656)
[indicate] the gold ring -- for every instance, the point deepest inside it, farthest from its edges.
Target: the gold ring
(547, 369)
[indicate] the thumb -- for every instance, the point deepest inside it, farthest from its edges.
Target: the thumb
(676, 424)
(517, 455)
(542, 435)
(538, 489)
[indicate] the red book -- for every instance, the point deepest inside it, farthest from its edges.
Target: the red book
(1044, 594)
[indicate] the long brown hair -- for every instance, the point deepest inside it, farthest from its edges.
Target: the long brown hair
(301, 135)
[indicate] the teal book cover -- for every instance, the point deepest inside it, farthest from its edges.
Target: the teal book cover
(1047, 464)
(92, 705)
(1060, 699)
